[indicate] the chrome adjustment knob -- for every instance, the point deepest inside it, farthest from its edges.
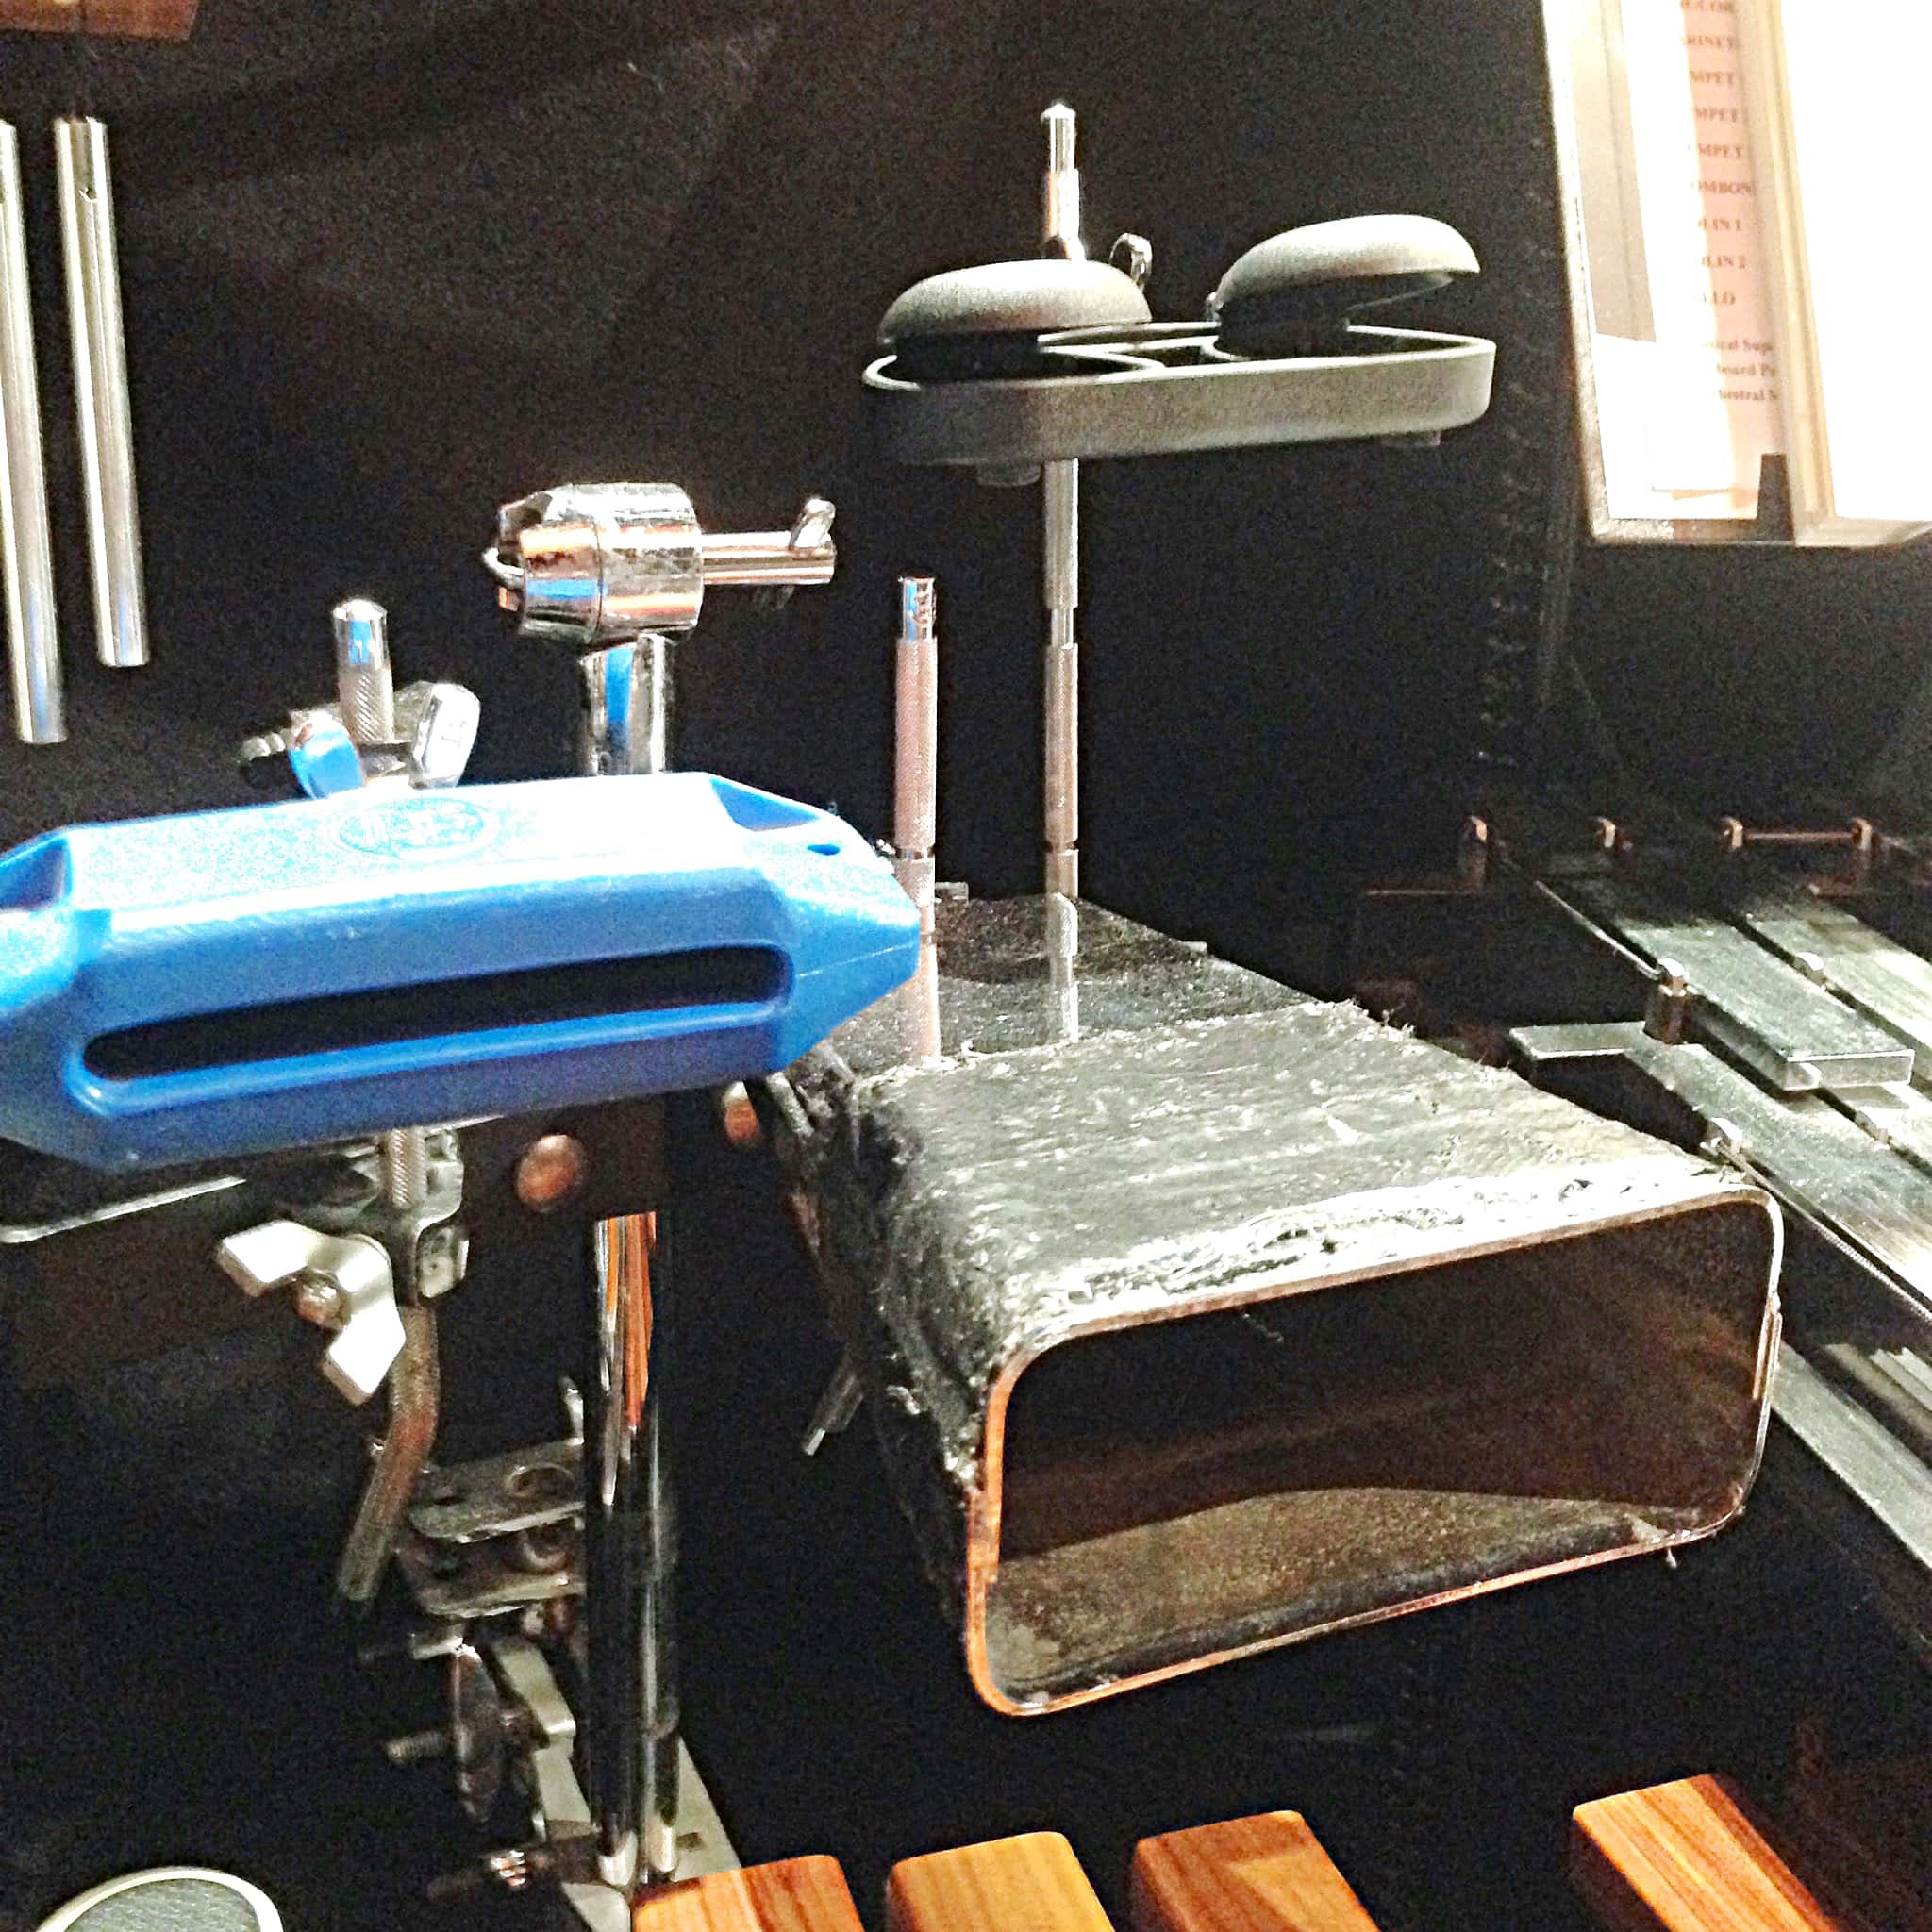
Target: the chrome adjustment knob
(602, 563)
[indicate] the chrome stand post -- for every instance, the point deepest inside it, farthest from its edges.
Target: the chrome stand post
(630, 1532)
(625, 564)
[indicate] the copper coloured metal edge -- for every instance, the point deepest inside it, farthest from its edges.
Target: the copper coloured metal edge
(983, 1511)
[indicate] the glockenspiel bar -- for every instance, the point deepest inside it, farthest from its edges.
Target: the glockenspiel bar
(1687, 1856)
(1032, 1883)
(792, 1895)
(1265, 1874)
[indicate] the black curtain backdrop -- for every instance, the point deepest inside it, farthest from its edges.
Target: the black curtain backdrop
(387, 265)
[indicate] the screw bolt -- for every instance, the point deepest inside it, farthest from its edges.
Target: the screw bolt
(554, 1171)
(738, 1117)
(416, 1747)
(319, 1300)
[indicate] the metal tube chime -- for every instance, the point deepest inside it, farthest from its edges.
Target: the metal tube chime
(100, 389)
(26, 558)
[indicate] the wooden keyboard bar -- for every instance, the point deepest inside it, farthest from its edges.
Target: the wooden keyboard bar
(1687, 1858)
(792, 1895)
(1266, 1874)
(1029, 1884)
(155, 20)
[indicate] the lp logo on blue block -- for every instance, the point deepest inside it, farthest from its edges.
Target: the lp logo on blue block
(408, 827)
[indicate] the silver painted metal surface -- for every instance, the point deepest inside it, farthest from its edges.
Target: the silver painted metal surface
(1239, 1317)
(498, 1495)
(1790, 1030)
(1889, 1480)
(1897, 1116)
(560, 1813)
(1894, 1384)
(455, 1582)
(704, 1847)
(1887, 982)
(1817, 1156)
(100, 388)
(26, 557)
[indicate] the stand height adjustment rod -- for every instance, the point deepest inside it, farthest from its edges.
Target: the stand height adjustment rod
(1060, 558)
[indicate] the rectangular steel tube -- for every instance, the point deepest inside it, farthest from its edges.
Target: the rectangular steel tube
(1241, 1318)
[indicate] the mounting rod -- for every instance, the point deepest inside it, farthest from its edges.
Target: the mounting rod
(1059, 485)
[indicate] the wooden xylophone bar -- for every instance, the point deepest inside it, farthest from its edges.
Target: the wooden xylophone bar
(1686, 1856)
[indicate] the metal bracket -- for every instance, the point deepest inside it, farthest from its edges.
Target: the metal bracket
(500, 1495)
(427, 1248)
